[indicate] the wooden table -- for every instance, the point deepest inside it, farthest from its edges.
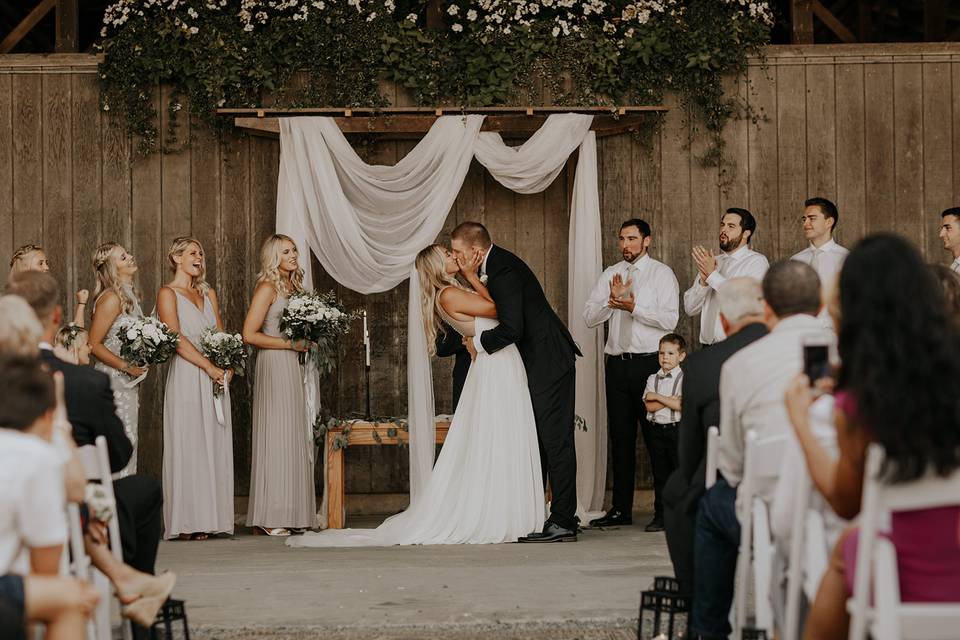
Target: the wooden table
(360, 434)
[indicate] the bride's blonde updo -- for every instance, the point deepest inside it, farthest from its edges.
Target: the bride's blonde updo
(105, 270)
(430, 265)
(181, 244)
(270, 266)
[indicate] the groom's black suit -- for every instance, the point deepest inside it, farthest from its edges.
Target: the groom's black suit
(549, 356)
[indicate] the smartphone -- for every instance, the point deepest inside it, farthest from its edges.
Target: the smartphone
(816, 357)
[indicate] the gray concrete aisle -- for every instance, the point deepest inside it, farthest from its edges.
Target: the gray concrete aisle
(255, 587)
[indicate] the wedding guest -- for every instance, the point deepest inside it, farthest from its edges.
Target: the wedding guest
(950, 284)
(639, 298)
(197, 447)
(950, 234)
(819, 222)
(752, 383)
(741, 314)
(91, 413)
(737, 227)
(449, 343)
(282, 495)
(32, 257)
(662, 399)
(910, 409)
(19, 328)
(72, 344)
(116, 300)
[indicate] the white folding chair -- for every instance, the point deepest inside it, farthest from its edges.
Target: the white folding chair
(876, 572)
(713, 443)
(78, 566)
(96, 465)
(808, 557)
(761, 462)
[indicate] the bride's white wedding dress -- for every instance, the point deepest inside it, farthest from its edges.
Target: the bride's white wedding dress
(486, 485)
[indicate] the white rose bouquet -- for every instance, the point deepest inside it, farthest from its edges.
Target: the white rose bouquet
(226, 350)
(101, 507)
(146, 341)
(319, 319)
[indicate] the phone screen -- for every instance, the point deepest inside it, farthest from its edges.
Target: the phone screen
(816, 361)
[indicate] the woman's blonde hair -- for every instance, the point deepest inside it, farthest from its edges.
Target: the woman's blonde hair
(105, 270)
(180, 245)
(430, 265)
(270, 266)
(70, 337)
(18, 263)
(20, 330)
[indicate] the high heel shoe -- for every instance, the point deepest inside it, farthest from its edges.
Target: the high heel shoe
(143, 611)
(277, 532)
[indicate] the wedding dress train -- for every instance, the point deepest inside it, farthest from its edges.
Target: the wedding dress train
(486, 485)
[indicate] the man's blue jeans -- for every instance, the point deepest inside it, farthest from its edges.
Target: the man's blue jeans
(715, 547)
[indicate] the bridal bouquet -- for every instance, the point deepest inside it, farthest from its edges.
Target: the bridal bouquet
(146, 341)
(319, 319)
(101, 507)
(226, 350)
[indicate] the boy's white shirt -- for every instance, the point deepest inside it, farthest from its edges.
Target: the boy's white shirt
(665, 415)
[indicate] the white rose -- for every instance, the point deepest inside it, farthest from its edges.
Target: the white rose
(132, 334)
(457, 27)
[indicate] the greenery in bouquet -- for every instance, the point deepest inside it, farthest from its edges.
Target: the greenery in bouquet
(225, 350)
(146, 341)
(320, 320)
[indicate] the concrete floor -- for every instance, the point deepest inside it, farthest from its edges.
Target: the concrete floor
(255, 587)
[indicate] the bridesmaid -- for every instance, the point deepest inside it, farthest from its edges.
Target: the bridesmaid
(32, 257)
(282, 495)
(115, 299)
(197, 448)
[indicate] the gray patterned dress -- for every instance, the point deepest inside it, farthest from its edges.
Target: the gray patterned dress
(126, 398)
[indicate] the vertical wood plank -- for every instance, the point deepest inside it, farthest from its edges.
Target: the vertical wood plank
(174, 174)
(500, 214)
(908, 144)
(821, 134)
(735, 174)
(58, 183)
(199, 211)
(763, 159)
(851, 154)
(117, 171)
(556, 234)
(879, 147)
(792, 159)
(87, 179)
(677, 207)
(27, 159)
(145, 244)
(937, 158)
(7, 158)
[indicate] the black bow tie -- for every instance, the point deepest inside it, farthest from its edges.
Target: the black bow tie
(663, 376)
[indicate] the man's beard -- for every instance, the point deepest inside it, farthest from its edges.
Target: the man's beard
(630, 257)
(731, 243)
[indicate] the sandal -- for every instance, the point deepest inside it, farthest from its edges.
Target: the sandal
(277, 532)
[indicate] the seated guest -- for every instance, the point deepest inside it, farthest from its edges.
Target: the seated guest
(752, 384)
(72, 344)
(92, 413)
(741, 315)
(950, 283)
(19, 327)
(33, 527)
(898, 385)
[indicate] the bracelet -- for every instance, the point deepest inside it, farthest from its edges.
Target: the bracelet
(81, 304)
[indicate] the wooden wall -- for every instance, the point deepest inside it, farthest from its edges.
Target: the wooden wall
(872, 127)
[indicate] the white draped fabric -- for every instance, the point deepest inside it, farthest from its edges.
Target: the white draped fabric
(367, 223)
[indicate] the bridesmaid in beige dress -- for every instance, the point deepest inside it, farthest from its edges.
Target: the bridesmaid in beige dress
(282, 495)
(197, 447)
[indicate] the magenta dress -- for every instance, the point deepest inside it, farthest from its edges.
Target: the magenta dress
(927, 543)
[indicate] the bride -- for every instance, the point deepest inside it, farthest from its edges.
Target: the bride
(486, 485)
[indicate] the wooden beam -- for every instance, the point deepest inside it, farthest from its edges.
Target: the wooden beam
(934, 20)
(28, 23)
(801, 21)
(435, 14)
(833, 23)
(68, 27)
(263, 112)
(865, 20)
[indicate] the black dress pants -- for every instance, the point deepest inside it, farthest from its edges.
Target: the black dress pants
(661, 442)
(553, 410)
(626, 381)
(139, 513)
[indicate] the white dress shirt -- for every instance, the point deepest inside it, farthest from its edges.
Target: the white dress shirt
(956, 265)
(656, 310)
(666, 383)
(753, 382)
(702, 299)
(825, 260)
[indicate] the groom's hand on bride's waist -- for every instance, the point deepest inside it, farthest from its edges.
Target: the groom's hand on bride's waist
(468, 343)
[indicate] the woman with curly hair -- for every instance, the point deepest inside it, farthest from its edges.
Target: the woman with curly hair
(282, 495)
(899, 386)
(32, 257)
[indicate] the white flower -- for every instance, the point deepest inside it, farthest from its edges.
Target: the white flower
(471, 15)
(132, 334)
(555, 32)
(457, 26)
(453, 10)
(411, 17)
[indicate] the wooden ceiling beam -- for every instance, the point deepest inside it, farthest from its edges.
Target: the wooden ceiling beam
(26, 25)
(833, 23)
(801, 21)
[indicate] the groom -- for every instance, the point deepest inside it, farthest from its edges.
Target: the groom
(549, 356)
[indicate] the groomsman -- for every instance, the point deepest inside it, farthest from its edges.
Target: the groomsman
(639, 299)
(950, 234)
(737, 259)
(819, 221)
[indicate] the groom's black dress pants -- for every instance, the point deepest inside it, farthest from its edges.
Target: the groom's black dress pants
(626, 381)
(553, 407)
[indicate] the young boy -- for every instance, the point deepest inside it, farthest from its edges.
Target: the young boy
(662, 400)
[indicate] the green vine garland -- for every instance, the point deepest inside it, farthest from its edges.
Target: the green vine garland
(319, 53)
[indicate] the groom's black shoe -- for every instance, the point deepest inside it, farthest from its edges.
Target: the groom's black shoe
(613, 518)
(552, 532)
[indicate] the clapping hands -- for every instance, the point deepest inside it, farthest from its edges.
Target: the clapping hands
(621, 294)
(706, 262)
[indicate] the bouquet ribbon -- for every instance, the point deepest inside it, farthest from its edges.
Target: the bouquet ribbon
(218, 399)
(311, 384)
(130, 384)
